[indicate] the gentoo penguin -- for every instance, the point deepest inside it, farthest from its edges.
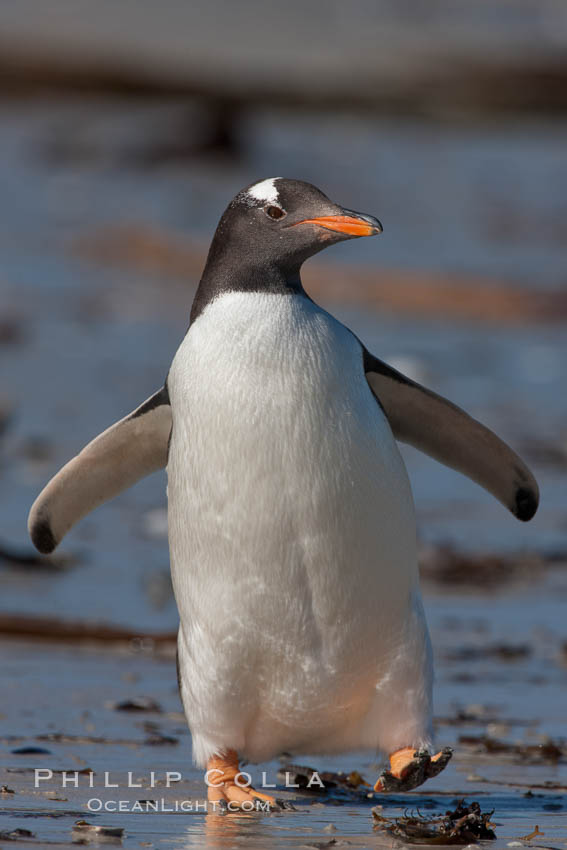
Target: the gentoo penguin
(291, 522)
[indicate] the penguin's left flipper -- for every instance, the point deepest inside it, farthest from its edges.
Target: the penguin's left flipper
(442, 430)
(127, 451)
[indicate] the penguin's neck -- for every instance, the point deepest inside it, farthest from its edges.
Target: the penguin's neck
(224, 273)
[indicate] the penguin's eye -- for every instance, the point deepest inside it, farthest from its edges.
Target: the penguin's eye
(275, 212)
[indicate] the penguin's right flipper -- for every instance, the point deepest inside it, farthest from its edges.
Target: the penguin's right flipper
(443, 431)
(127, 451)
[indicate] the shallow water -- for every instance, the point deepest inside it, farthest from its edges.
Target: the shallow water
(72, 691)
(93, 339)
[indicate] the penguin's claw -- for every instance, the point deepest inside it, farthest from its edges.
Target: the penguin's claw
(440, 761)
(236, 794)
(410, 768)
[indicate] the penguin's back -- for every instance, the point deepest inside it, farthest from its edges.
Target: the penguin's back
(291, 525)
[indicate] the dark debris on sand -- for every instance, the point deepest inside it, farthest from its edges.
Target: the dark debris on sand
(446, 566)
(16, 835)
(137, 704)
(546, 751)
(322, 782)
(84, 832)
(26, 559)
(491, 651)
(465, 824)
(479, 715)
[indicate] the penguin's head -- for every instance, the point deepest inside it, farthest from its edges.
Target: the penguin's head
(282, 222)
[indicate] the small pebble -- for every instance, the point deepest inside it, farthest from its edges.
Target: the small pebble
(330, 828)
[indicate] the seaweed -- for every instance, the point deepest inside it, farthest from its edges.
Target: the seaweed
(323, 782)
(83, 832)
(546, 751)
(16, 835)
(465, 824)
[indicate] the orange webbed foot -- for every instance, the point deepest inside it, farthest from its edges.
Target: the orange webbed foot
(226, 784)
(410, 768)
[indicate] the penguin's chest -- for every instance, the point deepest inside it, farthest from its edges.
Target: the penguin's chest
(289, 505)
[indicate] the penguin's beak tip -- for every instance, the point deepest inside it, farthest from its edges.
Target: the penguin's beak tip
(348, 222)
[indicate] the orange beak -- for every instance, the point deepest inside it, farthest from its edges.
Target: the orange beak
(348, 224)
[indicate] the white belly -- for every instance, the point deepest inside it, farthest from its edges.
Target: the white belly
(292, 536)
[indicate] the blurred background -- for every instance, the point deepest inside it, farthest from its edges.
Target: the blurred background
(125, 129)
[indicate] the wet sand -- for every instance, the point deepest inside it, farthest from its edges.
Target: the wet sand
(501, 676)
(100, 254)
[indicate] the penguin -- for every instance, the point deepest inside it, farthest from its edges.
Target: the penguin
(291, 521)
